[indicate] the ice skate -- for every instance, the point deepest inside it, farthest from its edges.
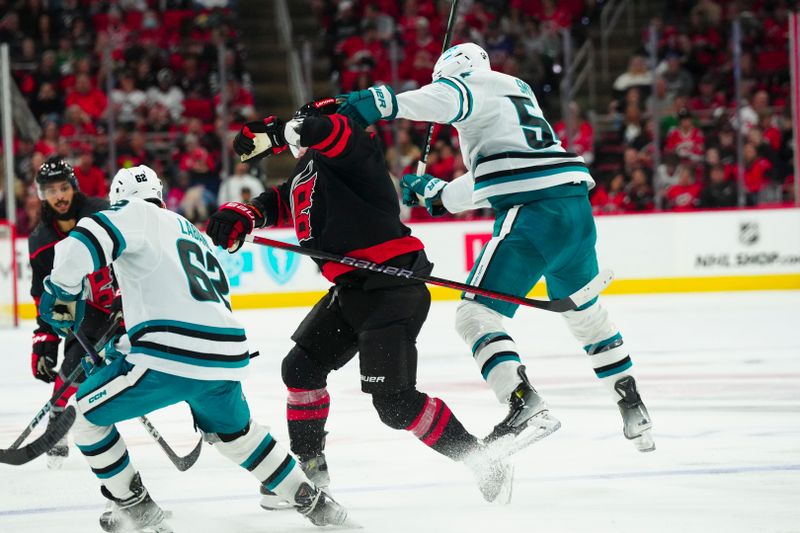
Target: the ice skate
(314, 467)
(319, 507)
(637, 425)
(137, 513)
(528, 420)
(495, 477)
(57, 454)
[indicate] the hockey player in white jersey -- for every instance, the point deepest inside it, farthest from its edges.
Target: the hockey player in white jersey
(543, 227)
(186, 345)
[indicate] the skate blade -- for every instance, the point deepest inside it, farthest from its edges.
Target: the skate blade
(644, 442)
(274, 503)
(539, 426)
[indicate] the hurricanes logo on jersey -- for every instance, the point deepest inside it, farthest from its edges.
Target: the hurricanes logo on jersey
(302, 198)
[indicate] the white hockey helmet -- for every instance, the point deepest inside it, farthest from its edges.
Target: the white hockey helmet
(461, 57)
(136, 182)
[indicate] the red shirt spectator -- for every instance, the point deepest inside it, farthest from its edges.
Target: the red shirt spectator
(582, 141)
(684, 195)
(685, 140)
(91, 179)
(756, 169)
(91, 100)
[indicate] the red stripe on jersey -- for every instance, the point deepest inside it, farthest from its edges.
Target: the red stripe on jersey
(43, 248)
(339, 147)
(336, 122)
(378, 254)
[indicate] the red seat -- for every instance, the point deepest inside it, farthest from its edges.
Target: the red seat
(198, 108)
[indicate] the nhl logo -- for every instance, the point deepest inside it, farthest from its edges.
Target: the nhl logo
(748, 233)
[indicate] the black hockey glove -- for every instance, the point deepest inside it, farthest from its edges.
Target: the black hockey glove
(44, 356)
(228, 226)
(260, 138)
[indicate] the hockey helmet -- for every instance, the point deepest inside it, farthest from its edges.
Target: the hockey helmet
(55, 170)
(136, 182)
(459, 58)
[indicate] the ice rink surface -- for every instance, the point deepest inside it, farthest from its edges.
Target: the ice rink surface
(720, 374)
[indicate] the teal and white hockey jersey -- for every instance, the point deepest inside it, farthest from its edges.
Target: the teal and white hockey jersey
(511, 151)
(174, 291)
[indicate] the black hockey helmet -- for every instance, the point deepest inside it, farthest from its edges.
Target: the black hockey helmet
(54, 170)
(325, 106)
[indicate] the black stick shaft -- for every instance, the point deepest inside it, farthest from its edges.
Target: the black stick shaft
(448, 38)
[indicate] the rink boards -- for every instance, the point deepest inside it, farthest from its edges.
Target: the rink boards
(651, 253)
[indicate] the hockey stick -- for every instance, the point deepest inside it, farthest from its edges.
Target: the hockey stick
(575, 300)
(55, 431)
(66, 385)
(181, 463)
(448, 38)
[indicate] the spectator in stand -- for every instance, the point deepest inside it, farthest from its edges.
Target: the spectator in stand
(48, 144)
(637, 75)
(660, 102)
(709, 10)
(78, 125)
(679, 81)
(719, 192)
(771, 132)
(47, 105)
(232, 187)
(91, 100)
(709, 103)
(197, 162)
(11, 33)
(611, 201)
(240, 101)
(686, 140)
(757, 173)
(638, 193)
(406, 152)
(166, 94)
(133, 152)
(757, 105)
(91, 180)
(667, 173)
(685, 194)
(46, 72)
(499, 44)
(444, 164)
(127, 102)
(192, 80)
(421, 56)
(581, 141)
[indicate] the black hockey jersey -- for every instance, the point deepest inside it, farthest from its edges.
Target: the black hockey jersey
(343, 201)
(41, 248)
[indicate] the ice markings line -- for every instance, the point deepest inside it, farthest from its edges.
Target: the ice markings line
(415, 486)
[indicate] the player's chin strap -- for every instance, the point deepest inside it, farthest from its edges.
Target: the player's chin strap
(581, 297)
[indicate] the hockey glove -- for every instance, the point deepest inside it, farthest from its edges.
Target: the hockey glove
(370, 105)
(44, 356)
(228, 226)
(62, 310)
(424, 187)
(260, 138)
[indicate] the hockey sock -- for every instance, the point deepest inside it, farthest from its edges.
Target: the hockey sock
(258, 452)
(427, 418)
(306, 414)
(493, 349)
(69, 393)
(107, 455)
(603, 344)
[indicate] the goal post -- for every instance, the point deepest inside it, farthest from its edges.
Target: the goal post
(9, 304)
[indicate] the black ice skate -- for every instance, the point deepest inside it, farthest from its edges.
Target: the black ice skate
(137, 513)
(314, 467)
(635, 418)
(494, 476)
(528, 420)
(319, 507)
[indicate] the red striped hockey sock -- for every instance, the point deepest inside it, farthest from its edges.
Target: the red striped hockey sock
(436, 426)
(306, 414)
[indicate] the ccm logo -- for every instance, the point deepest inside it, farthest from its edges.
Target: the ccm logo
(373, 379)
(97, 396)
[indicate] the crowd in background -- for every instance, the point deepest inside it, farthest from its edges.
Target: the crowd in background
(165, 100)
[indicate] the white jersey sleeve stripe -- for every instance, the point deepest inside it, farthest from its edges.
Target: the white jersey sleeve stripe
(464, 98)
(469, 101)
(117, 240)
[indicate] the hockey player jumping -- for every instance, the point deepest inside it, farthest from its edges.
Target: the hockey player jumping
(185, 346)
(543, 227)
(342, 200)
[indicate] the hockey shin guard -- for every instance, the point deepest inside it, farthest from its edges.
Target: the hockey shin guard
(107, 455)
(257, 451)
(427, 418)
(603, 344)
(306, 414)
(494, 351)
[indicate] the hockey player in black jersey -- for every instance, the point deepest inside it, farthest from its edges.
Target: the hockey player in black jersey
(62, 206)
(343, 201)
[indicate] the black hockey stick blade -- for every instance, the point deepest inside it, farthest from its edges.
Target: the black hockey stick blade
(55, 431)
(181, 463)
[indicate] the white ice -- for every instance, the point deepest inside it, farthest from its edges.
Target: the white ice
(720, 374)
